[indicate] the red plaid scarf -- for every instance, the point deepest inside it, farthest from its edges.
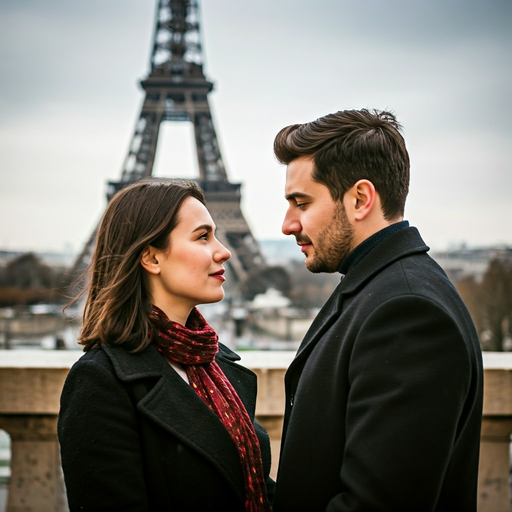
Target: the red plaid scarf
(195, 346)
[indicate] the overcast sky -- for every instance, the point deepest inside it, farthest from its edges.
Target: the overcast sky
(69, 100)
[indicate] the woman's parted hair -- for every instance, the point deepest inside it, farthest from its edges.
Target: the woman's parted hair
(118, 303)
(351, 145)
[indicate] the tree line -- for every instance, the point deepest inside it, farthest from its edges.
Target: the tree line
(489, 301)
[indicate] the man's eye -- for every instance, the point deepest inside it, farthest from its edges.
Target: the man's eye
(301, 205)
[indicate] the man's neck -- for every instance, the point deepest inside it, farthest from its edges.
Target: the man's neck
(371, 227)
(362, 249)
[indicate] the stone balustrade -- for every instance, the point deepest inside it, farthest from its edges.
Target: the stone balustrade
(31, 383)
(495, 464)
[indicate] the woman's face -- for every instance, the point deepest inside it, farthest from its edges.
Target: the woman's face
(191, 268)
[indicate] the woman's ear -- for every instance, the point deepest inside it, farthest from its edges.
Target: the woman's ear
(363, 195)
(149, 259)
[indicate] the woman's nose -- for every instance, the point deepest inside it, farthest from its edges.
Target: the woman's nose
(222, 254)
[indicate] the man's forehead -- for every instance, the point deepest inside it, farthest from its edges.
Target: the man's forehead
(299, 172)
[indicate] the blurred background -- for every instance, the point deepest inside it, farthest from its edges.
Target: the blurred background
(70, 99)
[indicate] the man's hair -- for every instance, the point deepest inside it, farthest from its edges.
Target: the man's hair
(348, 146)
(118, 302)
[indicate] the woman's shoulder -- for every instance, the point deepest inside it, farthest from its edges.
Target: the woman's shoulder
(229, 360)
(124, 365)
(107, 355)
(92, 358)
(226, 353)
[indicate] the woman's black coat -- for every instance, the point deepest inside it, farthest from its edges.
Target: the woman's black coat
(135, 437)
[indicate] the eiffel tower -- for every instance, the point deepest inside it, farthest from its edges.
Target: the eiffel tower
(176, 89)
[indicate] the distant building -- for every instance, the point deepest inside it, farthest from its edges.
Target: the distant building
(56, 260)
(457, 262)
(7, 256)
(463, 261)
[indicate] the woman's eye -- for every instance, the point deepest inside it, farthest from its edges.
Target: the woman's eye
(204, 236)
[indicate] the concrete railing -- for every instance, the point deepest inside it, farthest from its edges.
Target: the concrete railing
(31, 383)
(494, 471)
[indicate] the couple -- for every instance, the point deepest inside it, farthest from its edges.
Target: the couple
(383, 399)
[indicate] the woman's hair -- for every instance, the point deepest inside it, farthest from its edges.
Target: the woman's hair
(348, 146)
(118, 302)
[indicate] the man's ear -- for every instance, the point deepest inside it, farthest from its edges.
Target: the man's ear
(150, 260)
(361, 199)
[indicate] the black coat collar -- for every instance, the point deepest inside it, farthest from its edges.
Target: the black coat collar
(166, 399)
(397, 246)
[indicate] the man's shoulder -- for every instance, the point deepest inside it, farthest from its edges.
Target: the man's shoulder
(383, 260)
(414, 279)
(415, 275)
(395, 271)
(420, 273)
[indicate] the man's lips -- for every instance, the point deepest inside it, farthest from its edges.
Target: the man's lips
(219, 275)
(303, 246)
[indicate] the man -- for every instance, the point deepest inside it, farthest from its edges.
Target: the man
(384, 396)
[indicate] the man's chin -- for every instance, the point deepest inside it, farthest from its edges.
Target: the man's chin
(316, 266)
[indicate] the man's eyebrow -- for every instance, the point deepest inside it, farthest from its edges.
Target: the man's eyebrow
(204, 227)
(296, 195)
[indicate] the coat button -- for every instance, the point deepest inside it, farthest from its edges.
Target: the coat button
(291, 400)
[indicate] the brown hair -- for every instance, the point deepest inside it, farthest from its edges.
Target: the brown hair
(351, 145)
(118, 302)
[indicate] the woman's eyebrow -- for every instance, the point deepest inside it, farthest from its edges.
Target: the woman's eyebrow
(204, 227)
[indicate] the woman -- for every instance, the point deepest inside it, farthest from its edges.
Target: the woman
(157, 416)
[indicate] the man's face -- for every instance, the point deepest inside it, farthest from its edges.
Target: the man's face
(319, 224)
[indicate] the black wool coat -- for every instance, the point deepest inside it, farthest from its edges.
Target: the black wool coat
(135, 437)
(384, 396)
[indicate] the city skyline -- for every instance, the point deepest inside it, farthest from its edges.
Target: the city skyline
(69, 99)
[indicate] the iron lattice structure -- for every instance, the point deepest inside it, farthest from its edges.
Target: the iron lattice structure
(176, 89)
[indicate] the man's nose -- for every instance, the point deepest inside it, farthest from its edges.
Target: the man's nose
(290, 225)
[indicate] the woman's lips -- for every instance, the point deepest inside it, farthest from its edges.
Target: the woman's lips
(219, 275)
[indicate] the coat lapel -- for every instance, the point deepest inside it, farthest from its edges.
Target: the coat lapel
(171, 403)
(320, 325)
(391, 249)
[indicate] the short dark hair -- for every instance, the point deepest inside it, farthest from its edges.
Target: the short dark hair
(351, 145)
(118, 302)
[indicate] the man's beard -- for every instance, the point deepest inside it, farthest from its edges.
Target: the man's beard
(333, 244)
